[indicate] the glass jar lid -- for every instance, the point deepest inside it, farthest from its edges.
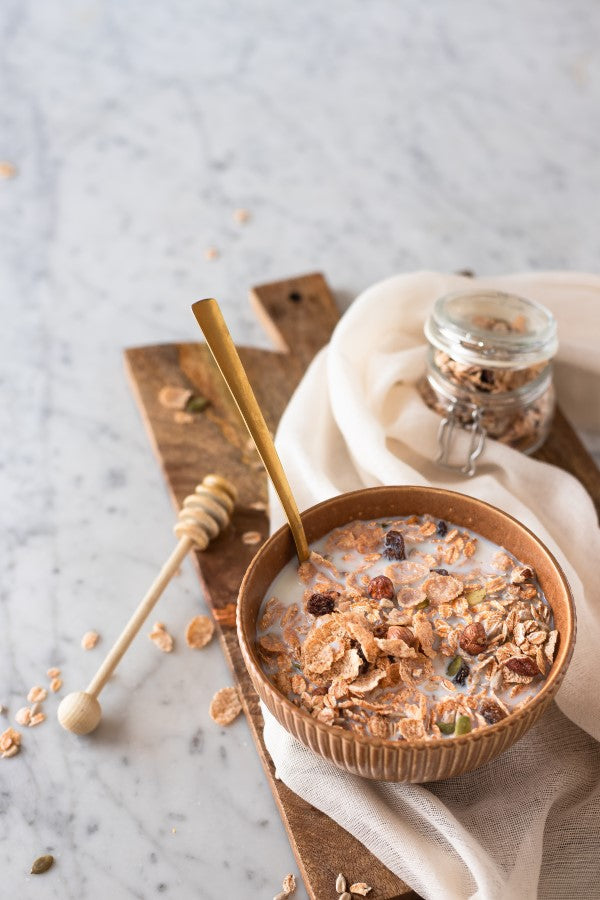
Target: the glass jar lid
(492, 329)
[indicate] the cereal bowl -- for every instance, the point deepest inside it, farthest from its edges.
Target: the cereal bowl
(408, 760)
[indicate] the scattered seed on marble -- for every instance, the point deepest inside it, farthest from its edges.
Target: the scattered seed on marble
(211, 253)
(241, 216)
(53, 672)
(289, 884)
(55, 685)
(42, 864)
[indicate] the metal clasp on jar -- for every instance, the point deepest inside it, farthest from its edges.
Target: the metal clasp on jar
(456, 415)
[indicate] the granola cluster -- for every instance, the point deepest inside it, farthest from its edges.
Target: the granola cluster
(407, 629)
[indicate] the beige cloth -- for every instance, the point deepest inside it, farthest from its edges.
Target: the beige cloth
(527, 824)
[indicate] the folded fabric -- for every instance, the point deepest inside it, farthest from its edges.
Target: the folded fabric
(528, 821)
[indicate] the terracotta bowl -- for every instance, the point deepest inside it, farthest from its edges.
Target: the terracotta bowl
(415, 761)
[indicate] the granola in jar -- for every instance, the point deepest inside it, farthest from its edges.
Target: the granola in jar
(489, 365)
(408, 628)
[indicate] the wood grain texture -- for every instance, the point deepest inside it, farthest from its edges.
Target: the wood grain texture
(299, 314)
(216, 441)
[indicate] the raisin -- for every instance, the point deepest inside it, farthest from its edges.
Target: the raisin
(442, 528)
(523, 665)
(487, 377)
(380, 631)
(381, 588)
(364, 662)
(473, 639)
(394, 545)
(491, 712)
(440, 571)
(321, 604)
(462, 674)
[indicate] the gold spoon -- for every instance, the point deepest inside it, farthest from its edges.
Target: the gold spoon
(221, 346)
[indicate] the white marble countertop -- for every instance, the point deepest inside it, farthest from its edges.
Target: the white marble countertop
(364, 139)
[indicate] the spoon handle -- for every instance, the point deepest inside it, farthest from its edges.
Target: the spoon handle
(221, 346)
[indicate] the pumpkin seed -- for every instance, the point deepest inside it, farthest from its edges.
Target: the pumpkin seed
(422, 605)
(196, 404)
(454, 666)
(340, 884)
(475, 597)
(446, 727)
(42, 864)
(463, 725)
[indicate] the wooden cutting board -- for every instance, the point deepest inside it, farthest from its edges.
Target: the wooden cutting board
(299, 314)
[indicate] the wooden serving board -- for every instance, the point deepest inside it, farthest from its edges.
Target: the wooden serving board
(299, 314)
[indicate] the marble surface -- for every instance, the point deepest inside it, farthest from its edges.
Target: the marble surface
(364, 139)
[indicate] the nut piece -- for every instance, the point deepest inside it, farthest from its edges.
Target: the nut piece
(522, 665)
(89, 640)
(473, 639)
(381, 588)
(360, 888)
(400, 633)
(225, 706)
(199, 632)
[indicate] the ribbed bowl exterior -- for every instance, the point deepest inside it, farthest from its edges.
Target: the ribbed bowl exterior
(408, 761)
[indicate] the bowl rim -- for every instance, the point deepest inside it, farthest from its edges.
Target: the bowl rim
(549, 686)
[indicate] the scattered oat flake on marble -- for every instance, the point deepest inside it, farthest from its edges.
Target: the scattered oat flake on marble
(250, 538)
(55, 685)
(241, 216)
(199, 632)
(7, 169)
(53, 672)
(211, 253)
(89, 640)
(10, 743)
(360, 888)
(161, 637)
(37, 694)
(225, 706)
(23, 715)
(37, 719)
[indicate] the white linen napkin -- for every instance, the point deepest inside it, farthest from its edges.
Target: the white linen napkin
(528, 823)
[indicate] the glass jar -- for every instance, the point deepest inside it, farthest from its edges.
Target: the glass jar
(489, 371)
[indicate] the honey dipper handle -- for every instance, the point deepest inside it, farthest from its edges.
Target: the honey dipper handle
(138, 618)
(221, 346)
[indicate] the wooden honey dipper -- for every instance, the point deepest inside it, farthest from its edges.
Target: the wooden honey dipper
(204, 514)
